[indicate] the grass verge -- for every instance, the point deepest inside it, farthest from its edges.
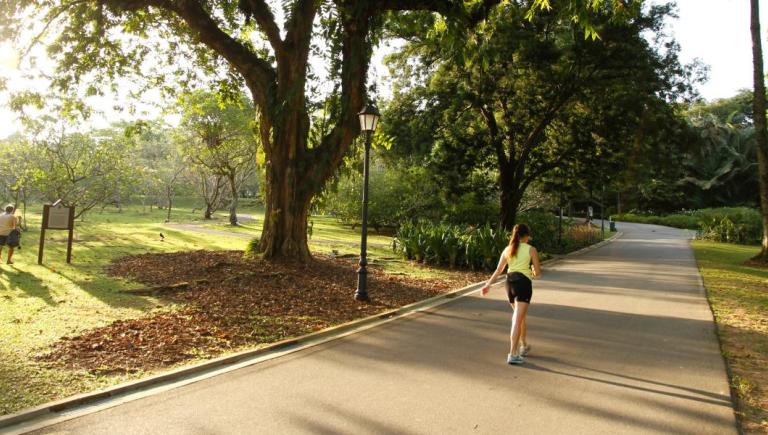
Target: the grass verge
(738, 295)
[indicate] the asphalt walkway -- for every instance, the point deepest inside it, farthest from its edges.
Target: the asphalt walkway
(623, 342)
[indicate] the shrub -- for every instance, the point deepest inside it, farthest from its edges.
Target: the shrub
(579, 236)
(252, 248)
(394, 195)
(478, 247)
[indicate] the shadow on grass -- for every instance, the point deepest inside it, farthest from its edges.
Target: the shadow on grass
(23, 281)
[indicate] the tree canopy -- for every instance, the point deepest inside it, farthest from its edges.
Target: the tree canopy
(241, 44)
(523, 97)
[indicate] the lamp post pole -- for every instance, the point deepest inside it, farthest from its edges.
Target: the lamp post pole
(602, 213)
(361, 294)
(369, 118)
(560, 221)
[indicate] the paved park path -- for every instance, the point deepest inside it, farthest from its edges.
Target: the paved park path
(623, 342)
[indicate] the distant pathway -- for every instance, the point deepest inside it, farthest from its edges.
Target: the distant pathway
(623, 342)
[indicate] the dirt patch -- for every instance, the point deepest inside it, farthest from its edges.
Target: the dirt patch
(229, 302)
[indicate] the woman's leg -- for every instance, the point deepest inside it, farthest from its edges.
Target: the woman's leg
(523, 328)
(10, 255)
(517, 320)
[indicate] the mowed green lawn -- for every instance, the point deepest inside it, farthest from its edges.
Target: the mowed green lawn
(739, 297)
(40, 304)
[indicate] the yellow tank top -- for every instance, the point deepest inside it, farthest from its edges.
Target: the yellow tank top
(521, 262)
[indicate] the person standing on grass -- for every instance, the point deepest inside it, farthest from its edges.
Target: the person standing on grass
(523, 266)
(8, 223)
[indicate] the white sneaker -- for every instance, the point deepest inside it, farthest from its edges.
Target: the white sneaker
(524, 349)
(514, 359)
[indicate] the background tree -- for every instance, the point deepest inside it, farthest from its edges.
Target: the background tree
(761, 131)
(272, 62)
(721, 168)
(213, 189)
(154, 154)
(736, 110)
(217, 135)
(16, 180)
(526, 97)
(81, 170)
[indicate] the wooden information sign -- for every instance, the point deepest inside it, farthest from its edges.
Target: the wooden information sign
(57, 217)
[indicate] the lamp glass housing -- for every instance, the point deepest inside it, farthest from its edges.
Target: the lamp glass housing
(369, 118)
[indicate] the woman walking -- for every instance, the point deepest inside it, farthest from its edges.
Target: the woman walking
(8, 223)
(523, 266)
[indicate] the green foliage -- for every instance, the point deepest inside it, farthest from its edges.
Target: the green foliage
(252, 248)
(721, 167)
(745, 227)
(518, 101)
(83, 170)
(479, 247)
(451, 245)
(736, 110)
(395, 194)
(217, 135)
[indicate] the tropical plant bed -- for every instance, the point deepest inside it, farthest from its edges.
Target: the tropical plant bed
(223, 301)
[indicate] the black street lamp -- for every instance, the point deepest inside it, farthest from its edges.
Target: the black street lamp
(369, 119)
(560, 221)
(602, 213)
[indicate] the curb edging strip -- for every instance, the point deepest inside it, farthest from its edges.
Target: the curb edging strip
(214, 367)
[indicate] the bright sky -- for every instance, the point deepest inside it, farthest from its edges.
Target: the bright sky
(715, 31)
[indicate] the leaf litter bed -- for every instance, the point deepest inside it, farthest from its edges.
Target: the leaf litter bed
(227, 302)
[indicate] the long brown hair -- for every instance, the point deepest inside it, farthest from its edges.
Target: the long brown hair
(518, 232)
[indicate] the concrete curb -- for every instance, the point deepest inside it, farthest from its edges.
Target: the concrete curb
(584, 250)
(43, 415)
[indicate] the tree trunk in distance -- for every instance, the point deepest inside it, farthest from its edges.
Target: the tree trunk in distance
(233, 204)
(758, 106)
(170, 205)
(510, 201)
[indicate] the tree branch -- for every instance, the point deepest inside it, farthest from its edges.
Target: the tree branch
(490, 120)
(262, 13)
(444, 7)
(299, 26)
(354, 72)
(257, 72)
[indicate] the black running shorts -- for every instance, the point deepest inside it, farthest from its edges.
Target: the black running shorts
(519, 288)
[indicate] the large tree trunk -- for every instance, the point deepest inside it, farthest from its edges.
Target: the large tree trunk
(296, 173)
(285, 220)
(290, 187)
(758, 105)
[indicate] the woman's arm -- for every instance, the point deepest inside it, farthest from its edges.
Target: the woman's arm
(536, 263)
(497, 272)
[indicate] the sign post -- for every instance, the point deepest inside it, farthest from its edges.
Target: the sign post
(57, 217)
